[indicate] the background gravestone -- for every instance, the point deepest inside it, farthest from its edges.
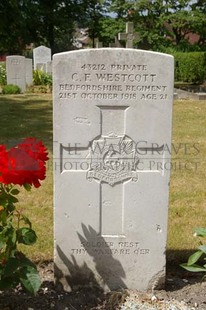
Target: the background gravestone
(42, 55)
(129, 36)
(116, 43)
(16, 71)
(112, 131)
(49, 67)
(29, 71)
(41, 67)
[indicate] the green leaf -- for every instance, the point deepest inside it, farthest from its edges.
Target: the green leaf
(201, 232)
(26, 220)
(193, 268)
(2, 243)
(11, 267)
(12, 199)
(30, 279)
(194, 258)
(3, 217)
(26, 236)
(27, 186)
(25, 261)
(13, 236)
(3, 197)
(10, 207)
(15, 191)
(202, 248)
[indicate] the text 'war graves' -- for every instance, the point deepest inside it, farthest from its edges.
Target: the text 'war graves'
(112, 132)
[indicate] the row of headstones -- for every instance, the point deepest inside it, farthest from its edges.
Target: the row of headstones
(20, 69)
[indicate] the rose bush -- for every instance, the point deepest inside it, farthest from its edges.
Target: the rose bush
(22, 165)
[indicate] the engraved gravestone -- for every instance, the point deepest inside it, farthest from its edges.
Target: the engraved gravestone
(49, 67)
(16, 71)
(129, 36)
(42, 55)
(41, 67)
(112, 132)
(29, 71)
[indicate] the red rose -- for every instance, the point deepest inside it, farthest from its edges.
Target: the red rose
(24, 164)
(3, 160)
(34, 148)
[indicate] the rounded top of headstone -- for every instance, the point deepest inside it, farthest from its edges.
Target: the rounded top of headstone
(15, 56)
(111, 51)
(42, 47)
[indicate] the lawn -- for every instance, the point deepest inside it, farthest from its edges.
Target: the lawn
(187, 208)
(31, 115)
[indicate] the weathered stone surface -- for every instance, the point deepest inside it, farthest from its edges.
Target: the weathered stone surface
(29, 71)
(42, 55)
(49, 67)
(16, 71)
(112, 136)
(41, 67)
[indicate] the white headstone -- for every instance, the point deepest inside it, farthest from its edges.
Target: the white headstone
(29, 71)
(112, 131)
(41, 67)
(49, 67)
(16, 71)
(41, 54)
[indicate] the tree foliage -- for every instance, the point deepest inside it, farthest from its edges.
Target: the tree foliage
(160, 23)
(163, 23)
(46, 22)
(13, 33)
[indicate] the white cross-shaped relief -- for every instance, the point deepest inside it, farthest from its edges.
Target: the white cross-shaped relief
(112, 161)
(129, 36)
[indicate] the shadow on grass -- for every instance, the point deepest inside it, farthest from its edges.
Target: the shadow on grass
(26, 115)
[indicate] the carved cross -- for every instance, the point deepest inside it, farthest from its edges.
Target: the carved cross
(112, 160)
(129, 36)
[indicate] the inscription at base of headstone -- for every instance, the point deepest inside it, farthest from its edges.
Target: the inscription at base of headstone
(112, 133)
(16, 71)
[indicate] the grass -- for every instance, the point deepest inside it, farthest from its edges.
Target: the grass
(27, 115)
(31, 115)
(187, 208)
(23, 116)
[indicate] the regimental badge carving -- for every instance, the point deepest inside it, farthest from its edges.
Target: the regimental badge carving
(113, 160)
